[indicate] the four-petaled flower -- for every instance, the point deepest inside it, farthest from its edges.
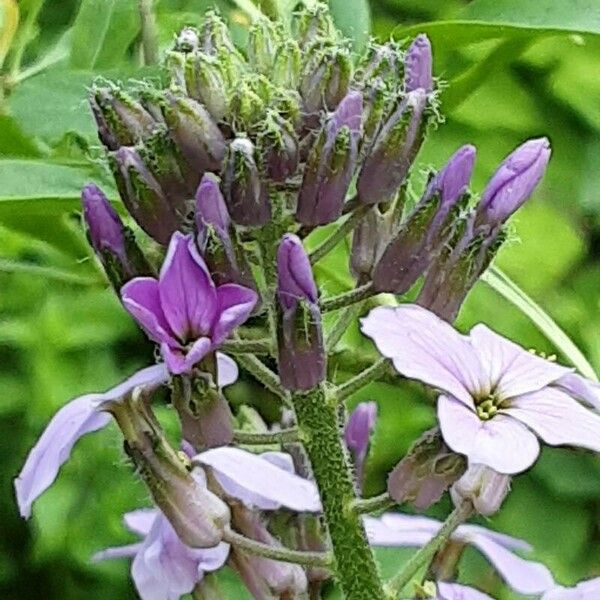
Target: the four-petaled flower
(184, 311)
(496, 396)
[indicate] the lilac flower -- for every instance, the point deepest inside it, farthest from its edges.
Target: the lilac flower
(456, 591)
(357, 433)
(183, 310)
(84, 415)
(418, 65)
(524, 576)
(496, 396)
(485, 488)
(163, 567)
(585, 590)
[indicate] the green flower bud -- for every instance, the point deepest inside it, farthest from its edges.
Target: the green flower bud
(287, 65)
(263, 39)
(205, 82)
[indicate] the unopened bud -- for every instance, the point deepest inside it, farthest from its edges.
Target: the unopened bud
(415, 246)
(331, 165)
(393, 151)
(369, 240)
(426, 472)
(205, 82)
(314, 24)
(245, 193)
(263, 39)
(188, 40)
(484, 487)
(214, 34)
(381, 61)
(301, 355)
(358, 433)
(278, 145)
(418, 63)
(287, 65)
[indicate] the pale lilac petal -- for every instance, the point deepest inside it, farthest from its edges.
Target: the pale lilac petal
(456, 591)
(140, 521)
(524, 576)
(580, 388)
(467, 531)
(235, 303)
(424, 347)
(281, 460)
(586, 590)
(128, 551)
(227, 370)
(502, 443)
(199, 349)
(187, 292)
(71, 422)
(382, 533)
(140, 298)
(557, 418)
(211, 559)
(258, 482)
(512, 370)
(174, 359)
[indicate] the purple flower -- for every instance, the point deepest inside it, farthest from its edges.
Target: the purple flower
(83, 415)
(301, 354)
(514, 181)
(411, 251)
(524, 576)
(183, 310)
(456, 591)
(496, 396)
(485, 488)
(331, 165)
(163, 567)
(357, 433)
(418, 65)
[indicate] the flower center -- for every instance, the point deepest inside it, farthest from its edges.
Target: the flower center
(487, 406)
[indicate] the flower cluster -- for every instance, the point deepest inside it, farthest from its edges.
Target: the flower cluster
(225, 175)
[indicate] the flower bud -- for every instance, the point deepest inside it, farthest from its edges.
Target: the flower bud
(301, 358)
(278, 146)
(513, 182)
(205, 82)
(143, 196)
(484, 487)
(381, 61)
(245, 193)
(357, 434)
(224, 258)
(287, 65)
(263, 39)
(196, 514)
(418, 65)
(393, 151)
(113, 243)
(314, 24)
(414, 247)
(369, 240)
(426, 472)
(214, 34)
(187, 41)
(121, 121)
(331, 165)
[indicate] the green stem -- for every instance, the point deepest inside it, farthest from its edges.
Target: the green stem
(299, 557)
(341, 325)
(424, 556)
(149, 32)
(339, 234)
(252, 438)
(364, 378)
(363, 506)
(348, 298)
(355, 566)
(262, 373)
(247, 346)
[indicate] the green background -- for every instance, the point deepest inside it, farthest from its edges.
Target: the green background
(515, 69)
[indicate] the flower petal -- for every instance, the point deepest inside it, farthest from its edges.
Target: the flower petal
(467, 531)
(524, 576)
(211, 559)
(396, 529)
(140, 298)
(140, 521)
(586, 590)
(580, 388)
(199, 349)
(128, 551)
(424, 347)
(258, 482)
(235, 303)
(513, 370)
(557, 418)
(456, 591)
(501, 443)
(187, 292)
(227, 370)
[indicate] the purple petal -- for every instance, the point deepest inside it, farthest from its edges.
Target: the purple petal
(418, 65)
(295, 277)
(359, 427)
(424, 347)
(453, 179)
(234, 305)
(580, 388)
(510, 369)
(456, 591)
(586, 590)
(227, 370)
(281, 460)
(187, 292)
(258, 482)
(211, 559)
(140, 521)
(128, 551)
(523, 576)
(210, 204)
(348, 114)
(557, 419)
(502, 443)
(141, 299)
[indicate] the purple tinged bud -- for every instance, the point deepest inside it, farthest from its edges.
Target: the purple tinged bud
(301, 354)
(369, 240)
(427, 228)
(188, 40)
(418, 65)
(205, 82)
(393, 151)
(210, 204)
(484, 487)
(278, 146)
(357, 435)
(331, 165)
(513, 182)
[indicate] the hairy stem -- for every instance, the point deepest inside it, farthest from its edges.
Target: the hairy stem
(363, 506)
(348, 298)
(299, 557)
(247, 346)
(262, 373)
(359, 381)
(424, 556)
(251, 438)
(355, 566)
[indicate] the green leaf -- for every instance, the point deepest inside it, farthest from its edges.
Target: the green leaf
(353, 17)
(542, 320)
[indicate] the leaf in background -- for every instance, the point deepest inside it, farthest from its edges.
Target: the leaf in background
(9, 21)
(14, 142)
(353, 17)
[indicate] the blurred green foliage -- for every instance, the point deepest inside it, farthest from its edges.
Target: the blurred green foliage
(514, 68)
